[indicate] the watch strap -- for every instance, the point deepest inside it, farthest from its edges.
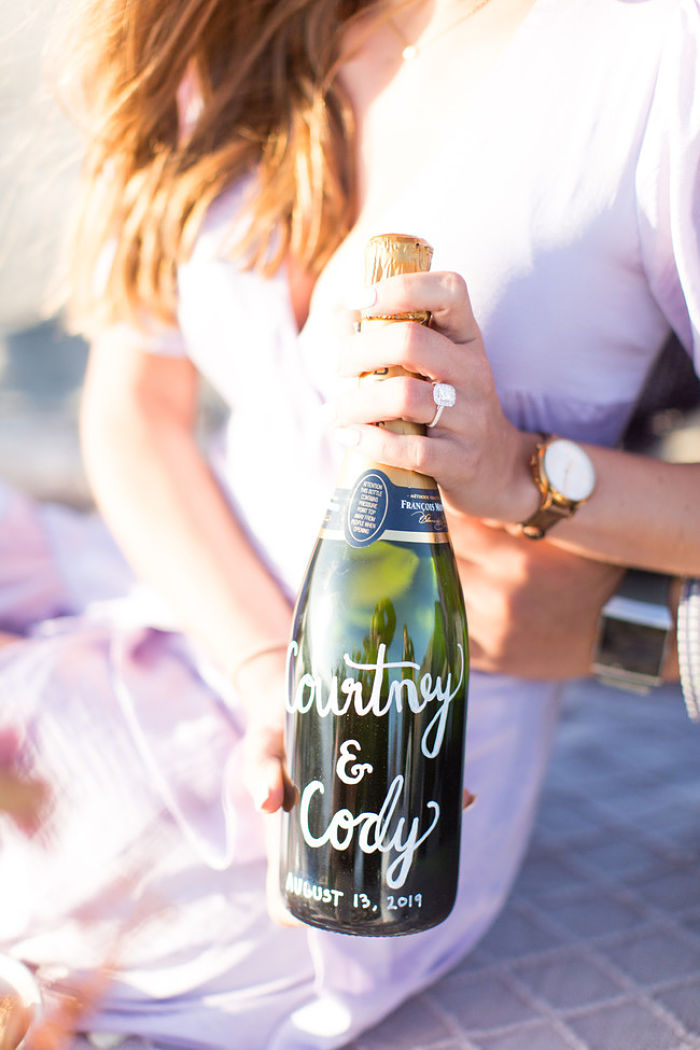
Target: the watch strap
(546, 515)
(688, 640)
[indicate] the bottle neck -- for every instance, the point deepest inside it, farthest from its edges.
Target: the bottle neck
(422, 317)
(354, 463)
(397, 426)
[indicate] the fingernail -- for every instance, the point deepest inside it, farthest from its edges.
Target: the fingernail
(348, 437)
(363, 298)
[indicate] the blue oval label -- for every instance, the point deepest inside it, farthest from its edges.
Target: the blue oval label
(367, 509)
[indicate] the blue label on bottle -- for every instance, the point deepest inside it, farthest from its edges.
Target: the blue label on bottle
(367, 509)
(376, 508)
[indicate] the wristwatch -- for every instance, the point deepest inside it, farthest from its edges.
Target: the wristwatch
(565, 477)
(633, 632)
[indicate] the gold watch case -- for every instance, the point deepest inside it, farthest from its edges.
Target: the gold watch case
(565, 478)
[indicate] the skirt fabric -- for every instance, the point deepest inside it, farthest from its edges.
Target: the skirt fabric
(151, 860)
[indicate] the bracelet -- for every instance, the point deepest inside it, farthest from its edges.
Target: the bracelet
(688, 635)
(235, 672)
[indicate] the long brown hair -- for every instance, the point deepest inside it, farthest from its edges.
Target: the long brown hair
(268, 100)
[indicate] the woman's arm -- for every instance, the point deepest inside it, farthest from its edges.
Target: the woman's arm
(170, 518)
(643, 512)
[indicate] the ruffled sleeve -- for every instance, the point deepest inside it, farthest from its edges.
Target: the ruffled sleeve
(668, 180)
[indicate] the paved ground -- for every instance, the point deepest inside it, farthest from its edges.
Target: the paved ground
(599, 945)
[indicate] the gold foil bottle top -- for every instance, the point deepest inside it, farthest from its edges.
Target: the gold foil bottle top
(389, 254)
(392, 253)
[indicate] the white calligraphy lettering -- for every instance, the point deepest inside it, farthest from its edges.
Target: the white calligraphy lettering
(309, 693)
(348, 753)
(374, 830)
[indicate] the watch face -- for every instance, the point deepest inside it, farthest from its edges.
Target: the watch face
(569, 470)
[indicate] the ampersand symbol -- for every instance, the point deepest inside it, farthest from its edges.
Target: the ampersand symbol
(357, 771)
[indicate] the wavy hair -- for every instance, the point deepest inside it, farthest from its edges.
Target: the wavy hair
(257, 82)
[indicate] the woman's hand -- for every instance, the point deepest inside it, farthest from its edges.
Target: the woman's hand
(261, 685)
(479, 458)
(265, 771)
(266, 778)
(532, 607)
(261, 682)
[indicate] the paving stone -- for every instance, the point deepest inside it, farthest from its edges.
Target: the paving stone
(567, 979)
(590, 913)
(413, 1025)
(675, 889)
(623, 856)
(683, 1001)
(564, 818)
(624, 1026)
(543, 873)
(481, 1002)
(527, 1037)
(515, 934)
(653, 955)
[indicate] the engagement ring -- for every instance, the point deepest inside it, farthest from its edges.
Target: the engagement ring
(444, 396)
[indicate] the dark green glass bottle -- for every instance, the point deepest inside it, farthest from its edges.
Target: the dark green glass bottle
(377, 688)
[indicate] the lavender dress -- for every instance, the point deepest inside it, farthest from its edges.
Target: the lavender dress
(568, 197)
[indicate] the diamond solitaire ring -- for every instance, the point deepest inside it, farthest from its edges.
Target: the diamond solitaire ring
(444, 396)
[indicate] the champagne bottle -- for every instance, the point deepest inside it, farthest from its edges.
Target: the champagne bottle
(377, 687)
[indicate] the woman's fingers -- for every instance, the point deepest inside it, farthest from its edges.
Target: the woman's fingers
(290, 794)
(403, 344)
(443, 293)
(428, 456)
(376, 400)
(265, 775)
(268, 782)
(476, 455)
(417, 348)
(391, 368)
